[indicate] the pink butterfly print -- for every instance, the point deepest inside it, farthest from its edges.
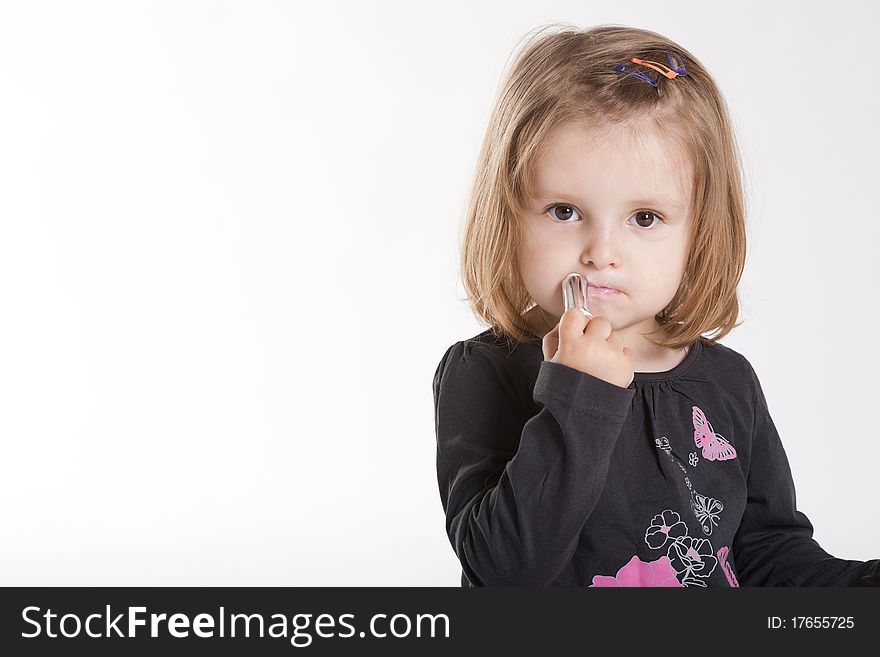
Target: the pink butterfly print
(725, 566)
(715, 447)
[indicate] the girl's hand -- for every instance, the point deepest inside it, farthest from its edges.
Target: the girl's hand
(589, 345)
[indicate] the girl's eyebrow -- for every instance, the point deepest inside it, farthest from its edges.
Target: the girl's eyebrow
(658, 201)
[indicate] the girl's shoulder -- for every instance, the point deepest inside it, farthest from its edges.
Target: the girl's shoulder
(486, 351)
(488, 373)
(718, 354)
(500, 351)
(721, 362)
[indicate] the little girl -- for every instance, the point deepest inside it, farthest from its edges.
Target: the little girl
(625, 449)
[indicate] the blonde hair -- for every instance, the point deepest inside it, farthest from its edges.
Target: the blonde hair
(569, 75)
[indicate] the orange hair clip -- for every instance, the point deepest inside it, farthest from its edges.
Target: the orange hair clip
(674, 61)
(669, 73)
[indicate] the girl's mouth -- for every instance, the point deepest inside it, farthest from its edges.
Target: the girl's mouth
(603, 291)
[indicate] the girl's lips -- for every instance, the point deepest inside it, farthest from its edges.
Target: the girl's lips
(603, 291)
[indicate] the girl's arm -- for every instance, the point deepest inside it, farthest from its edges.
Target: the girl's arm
(774, 545)
(517, 491)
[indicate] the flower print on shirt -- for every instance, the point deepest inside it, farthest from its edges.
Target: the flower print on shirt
(693, 559)
(641, 573)
(666, 526)
(726, 567)
(693, 459)
(715, 447)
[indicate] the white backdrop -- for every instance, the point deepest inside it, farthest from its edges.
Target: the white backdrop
(216, 221)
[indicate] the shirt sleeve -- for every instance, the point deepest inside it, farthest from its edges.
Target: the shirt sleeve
(774, 544)
(517, 491)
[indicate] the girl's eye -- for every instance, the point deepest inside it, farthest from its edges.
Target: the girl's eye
(566, 214)
(644, 218)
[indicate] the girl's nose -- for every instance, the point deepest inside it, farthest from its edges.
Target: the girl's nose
(601, 252)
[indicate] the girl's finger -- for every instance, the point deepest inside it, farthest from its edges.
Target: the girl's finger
(572, 323)
(550, 343)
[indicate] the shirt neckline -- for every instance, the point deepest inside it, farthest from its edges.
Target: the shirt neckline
(675, 372)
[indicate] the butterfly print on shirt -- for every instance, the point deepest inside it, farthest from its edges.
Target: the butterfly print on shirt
(715, 447)
(706, 509)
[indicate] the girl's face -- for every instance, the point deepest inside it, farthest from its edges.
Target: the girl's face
(614, 207)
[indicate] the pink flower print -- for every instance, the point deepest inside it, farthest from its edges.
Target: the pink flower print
(692, 557)
(665, 526)
(715, 447)
(641, 573)
(725, 566)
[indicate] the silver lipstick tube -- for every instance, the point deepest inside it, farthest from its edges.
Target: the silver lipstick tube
(575, 295)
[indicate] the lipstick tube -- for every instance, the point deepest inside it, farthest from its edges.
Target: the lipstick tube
(574, 293)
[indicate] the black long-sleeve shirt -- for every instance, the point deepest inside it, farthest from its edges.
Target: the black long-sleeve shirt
(551, 476)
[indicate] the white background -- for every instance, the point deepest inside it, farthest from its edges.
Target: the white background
(229, 269)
